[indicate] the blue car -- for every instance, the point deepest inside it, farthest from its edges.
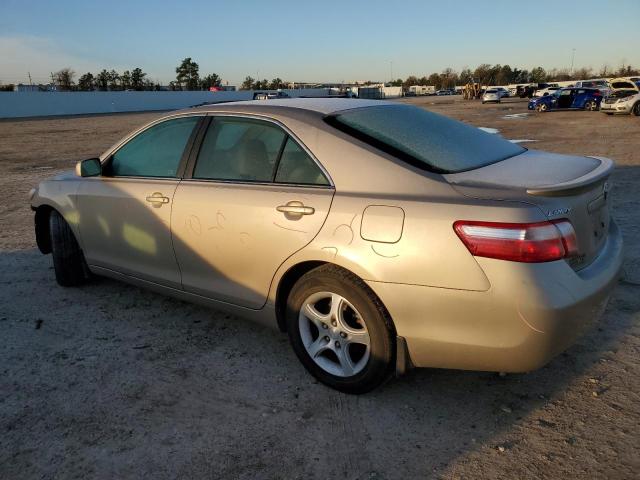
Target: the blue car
(568, 99)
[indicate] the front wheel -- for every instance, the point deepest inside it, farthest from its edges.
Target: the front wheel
(542, 107)
(68, 260)
(636, 109)
(340, 330)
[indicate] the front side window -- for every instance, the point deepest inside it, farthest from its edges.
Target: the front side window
(239, 149)
(424, 139)
(156, 152)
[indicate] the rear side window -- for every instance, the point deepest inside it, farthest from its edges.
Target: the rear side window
(239, 149)
(156, 152)
(424, 139)
(297, 167)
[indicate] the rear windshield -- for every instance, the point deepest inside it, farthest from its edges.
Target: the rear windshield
(424, 139)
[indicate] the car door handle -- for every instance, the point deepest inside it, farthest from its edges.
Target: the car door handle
(157, 199)
(295, 209)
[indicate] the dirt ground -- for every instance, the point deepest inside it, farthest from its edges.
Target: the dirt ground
(110, 381)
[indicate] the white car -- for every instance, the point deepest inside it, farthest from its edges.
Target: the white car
(545, 91)
(491, 95)
(622, 102)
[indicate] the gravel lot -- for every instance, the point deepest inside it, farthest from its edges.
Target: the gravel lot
(109, 381)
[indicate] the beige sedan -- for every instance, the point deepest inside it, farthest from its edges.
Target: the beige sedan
(378, 235)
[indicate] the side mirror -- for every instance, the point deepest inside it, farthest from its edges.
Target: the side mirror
(91, 167)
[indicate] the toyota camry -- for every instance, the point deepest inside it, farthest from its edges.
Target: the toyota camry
(379, 236)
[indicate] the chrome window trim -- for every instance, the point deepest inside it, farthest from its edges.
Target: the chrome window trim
(113, 149)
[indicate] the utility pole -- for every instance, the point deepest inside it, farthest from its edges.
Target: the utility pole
(30, 82)
(573, 54)
(391, 70)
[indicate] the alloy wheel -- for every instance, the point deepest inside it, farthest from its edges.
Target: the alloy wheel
(334, 334)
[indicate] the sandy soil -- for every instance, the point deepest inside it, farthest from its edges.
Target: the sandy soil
(109, 381)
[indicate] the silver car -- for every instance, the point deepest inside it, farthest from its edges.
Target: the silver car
(378, 235)
(622, 102)
(491, 95)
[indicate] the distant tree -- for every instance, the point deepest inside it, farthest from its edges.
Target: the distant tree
(114, 80)
(138, 80)
(248, 83)
(276, 83)
(582, 73)
(187, 75)
(102, 81)
(538, 75)
(605, 71)
(434, 80)
(449, 78)
(125, 80)
(504, 75)
(483, 73)
(211, 80)
(63, 79)
(396, 83)
(410, 81)
(466, 75)
(6, 88)
(261, 84)
(86, 83)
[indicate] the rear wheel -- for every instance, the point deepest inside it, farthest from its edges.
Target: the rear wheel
(68, 260)
(340, 331)
(591, 106)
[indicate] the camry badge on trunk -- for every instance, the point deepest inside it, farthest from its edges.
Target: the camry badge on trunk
(559, 211)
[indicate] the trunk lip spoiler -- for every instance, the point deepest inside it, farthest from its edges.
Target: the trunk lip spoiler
(583, 182)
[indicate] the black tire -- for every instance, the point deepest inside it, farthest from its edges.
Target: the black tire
(381, 360)
(68, 260)
(636, 109)
(591, 106)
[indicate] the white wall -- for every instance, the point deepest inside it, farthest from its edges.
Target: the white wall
(42, 104)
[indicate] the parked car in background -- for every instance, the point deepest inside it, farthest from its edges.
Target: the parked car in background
(622, 84)
(601, 84)
(569, 99)
(262, 209)
(526, 91)
(622, 102)
(491, 95)
(504, 93)
(270, 95)
(545, 91)
(444, 92)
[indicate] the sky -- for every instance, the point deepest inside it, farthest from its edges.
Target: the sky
(312, 41)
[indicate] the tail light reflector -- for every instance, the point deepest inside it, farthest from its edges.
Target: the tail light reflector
(518, 242)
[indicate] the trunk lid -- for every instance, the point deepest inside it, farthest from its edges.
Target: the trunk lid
(561, 186)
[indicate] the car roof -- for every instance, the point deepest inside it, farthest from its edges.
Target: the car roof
(322, 105)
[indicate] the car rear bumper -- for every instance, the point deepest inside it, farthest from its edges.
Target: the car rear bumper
(531, 313)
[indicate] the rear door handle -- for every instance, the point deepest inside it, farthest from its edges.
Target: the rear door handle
(296, 209)
(157, 199)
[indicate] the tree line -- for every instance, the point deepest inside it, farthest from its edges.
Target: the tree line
(487, 74)
(188, 78)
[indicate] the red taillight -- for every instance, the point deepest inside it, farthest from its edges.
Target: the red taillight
(518, 242)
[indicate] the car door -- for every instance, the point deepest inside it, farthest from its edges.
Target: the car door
(565, 98)
(254, 196)
(580, 96)
(125, 212)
